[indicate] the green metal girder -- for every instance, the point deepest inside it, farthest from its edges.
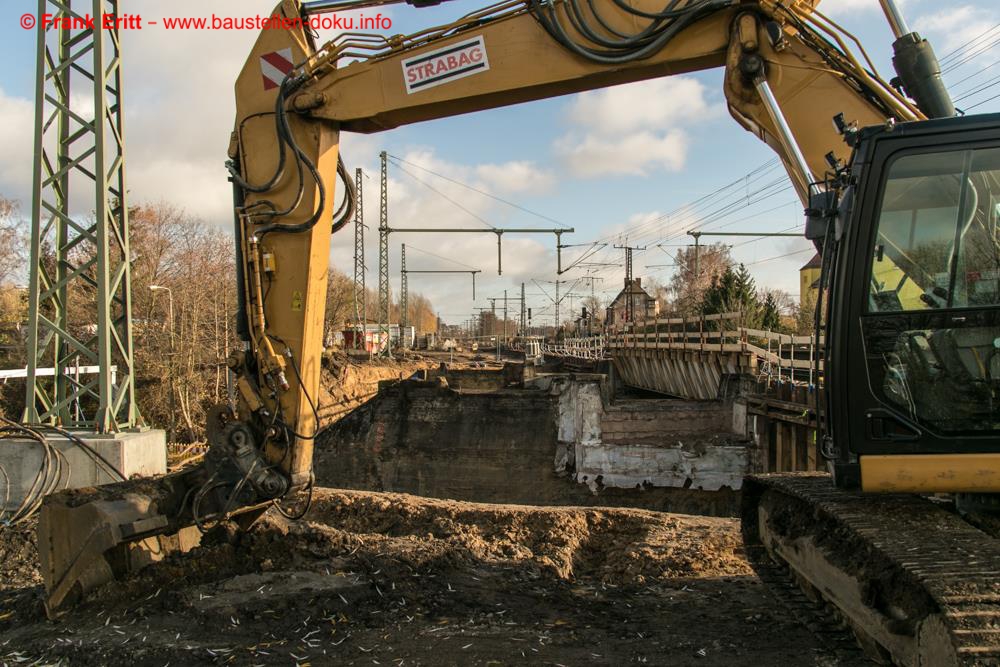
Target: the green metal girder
(80, 245)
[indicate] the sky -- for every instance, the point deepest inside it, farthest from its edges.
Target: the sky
(622, 165)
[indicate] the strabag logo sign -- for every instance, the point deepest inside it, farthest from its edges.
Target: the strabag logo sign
(445, 65)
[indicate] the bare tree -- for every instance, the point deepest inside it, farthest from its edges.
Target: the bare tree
(805, 314)
(12, 242)
(339, 301)
(694, 275)
(180, 361)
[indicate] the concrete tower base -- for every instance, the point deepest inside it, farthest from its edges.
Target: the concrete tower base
(137, 452)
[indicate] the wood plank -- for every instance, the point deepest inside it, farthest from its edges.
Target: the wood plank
(770, 451)
(801, 448)
(812, 456)
(780, 416)
(779, 447)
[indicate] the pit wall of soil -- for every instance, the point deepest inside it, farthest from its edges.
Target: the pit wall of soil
(346, 384)
(547, 440)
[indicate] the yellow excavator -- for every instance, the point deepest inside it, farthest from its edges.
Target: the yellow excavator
(902, 198)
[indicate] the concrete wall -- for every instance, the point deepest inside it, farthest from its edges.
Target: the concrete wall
(651, 443)
(556, 442)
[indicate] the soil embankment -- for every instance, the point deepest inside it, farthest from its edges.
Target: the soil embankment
(391, 579)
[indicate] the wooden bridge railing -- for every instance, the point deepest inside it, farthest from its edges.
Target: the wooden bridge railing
(780, 356)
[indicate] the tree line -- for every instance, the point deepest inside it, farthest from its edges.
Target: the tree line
(712, 282)
(183, 310)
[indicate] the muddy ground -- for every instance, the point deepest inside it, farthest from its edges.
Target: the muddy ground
(388, 579)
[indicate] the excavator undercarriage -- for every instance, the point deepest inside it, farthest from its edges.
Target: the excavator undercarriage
(917, 583)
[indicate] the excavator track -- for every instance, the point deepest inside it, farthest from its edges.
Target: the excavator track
(917, 584)
(815, 614)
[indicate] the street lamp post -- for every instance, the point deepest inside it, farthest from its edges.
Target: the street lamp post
(173, 350)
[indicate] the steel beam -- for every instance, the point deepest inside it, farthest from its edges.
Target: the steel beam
(499, 231)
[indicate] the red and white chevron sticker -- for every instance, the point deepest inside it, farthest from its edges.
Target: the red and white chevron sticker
(275, 66)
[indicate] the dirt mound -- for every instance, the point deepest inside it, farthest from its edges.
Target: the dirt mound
(399, 535)
(385, 579)
(18, 556)
(20, 581)
(612, 545)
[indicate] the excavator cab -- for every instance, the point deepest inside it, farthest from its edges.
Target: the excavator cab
(913, 358)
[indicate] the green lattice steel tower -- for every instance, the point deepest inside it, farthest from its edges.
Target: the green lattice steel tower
(403, 305)
(360, 295)
(383, 259)
(79, 286)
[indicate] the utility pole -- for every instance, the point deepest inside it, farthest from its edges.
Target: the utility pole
(505, 314)
(383, 260)
(360, 295)
(556, 301)
(522, 321)
(79, 200)
(506, 299)
(593, 302)
(403, 315)
(697, 253)
(629, 293)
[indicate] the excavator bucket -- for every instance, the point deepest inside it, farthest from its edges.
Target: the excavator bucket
(90, 537)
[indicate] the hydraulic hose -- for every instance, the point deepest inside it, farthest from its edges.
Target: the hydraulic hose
(662, 28)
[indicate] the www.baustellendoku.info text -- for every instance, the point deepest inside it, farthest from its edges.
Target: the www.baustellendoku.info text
(376, 22)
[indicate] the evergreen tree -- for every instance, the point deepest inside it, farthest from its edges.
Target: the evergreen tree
(736, 291)
(770, 315)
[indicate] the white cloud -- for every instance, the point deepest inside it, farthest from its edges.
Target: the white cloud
(956, 28)
(636, 154)
(518, 176)
(17, 119)
(839, 8)
(646, 105)
(633, 129)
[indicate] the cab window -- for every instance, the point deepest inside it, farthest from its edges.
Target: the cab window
(937, 244)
